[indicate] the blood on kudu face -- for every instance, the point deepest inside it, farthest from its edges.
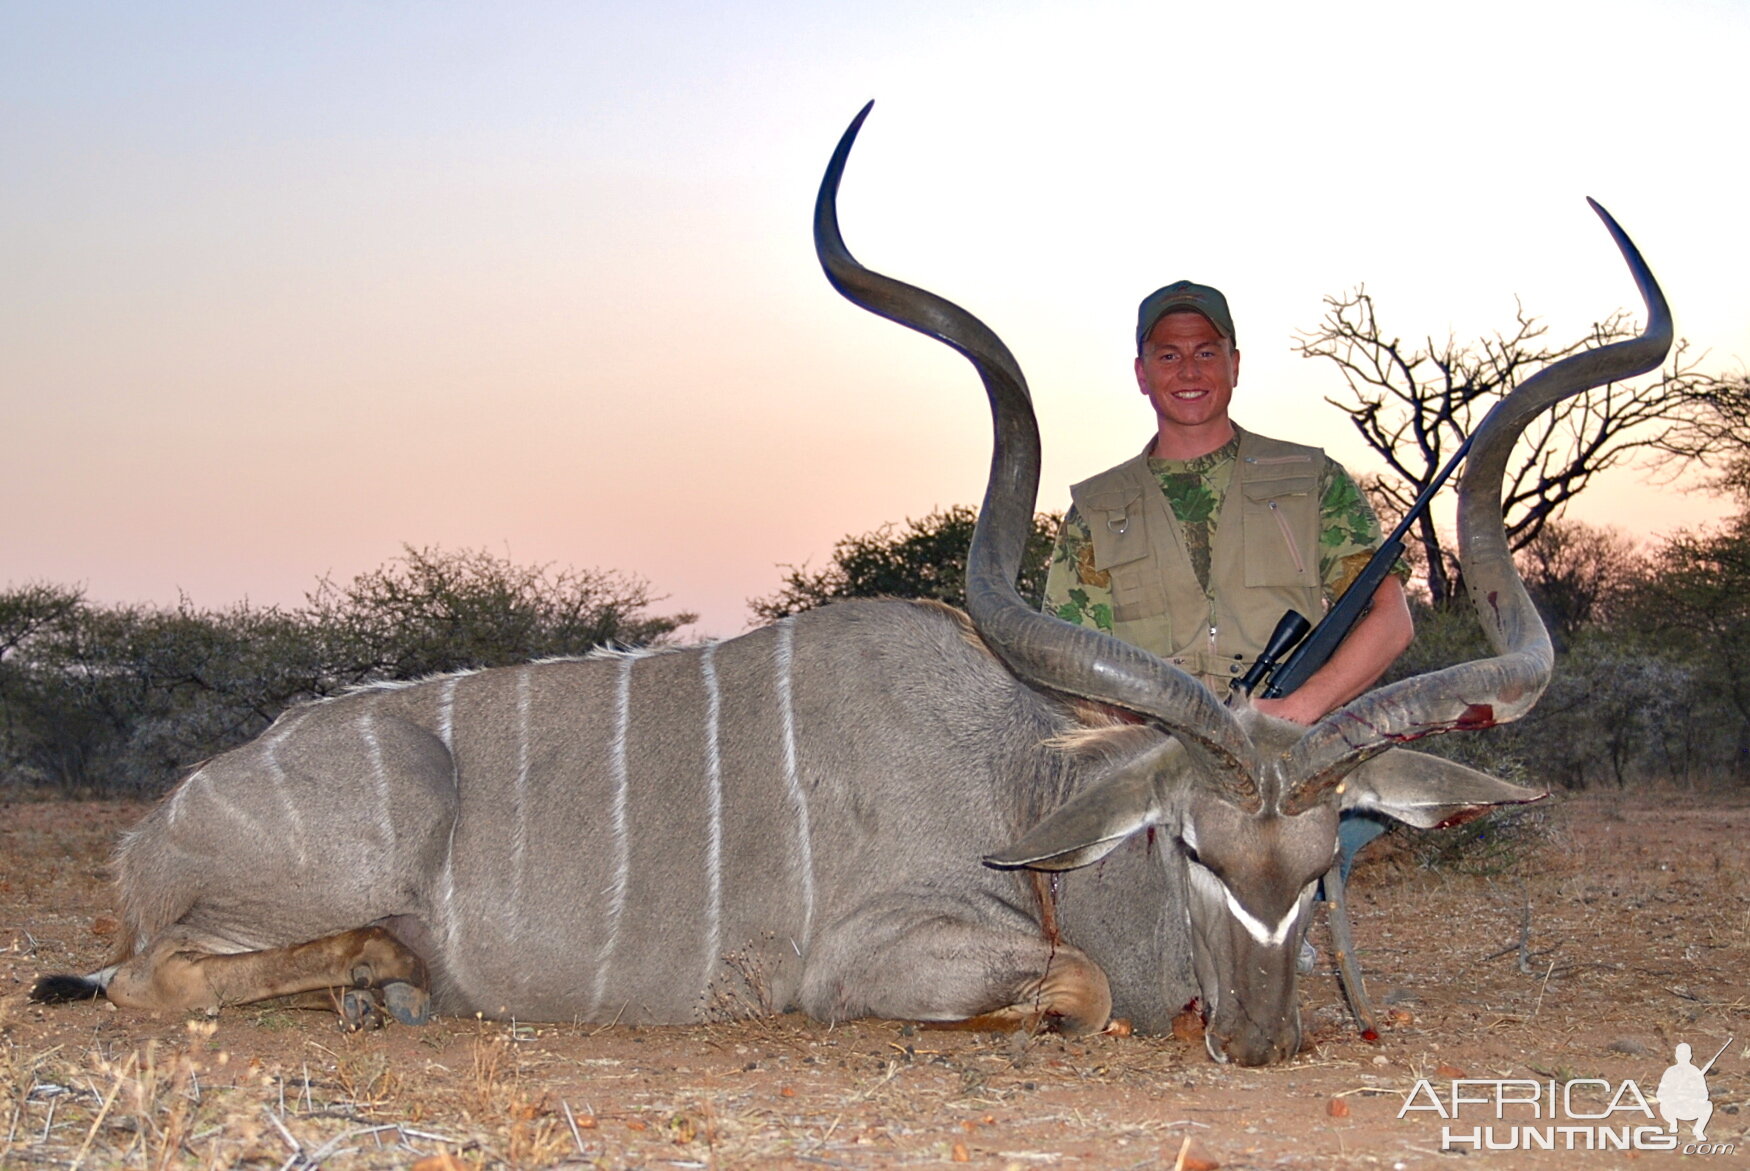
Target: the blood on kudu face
(1188, 370)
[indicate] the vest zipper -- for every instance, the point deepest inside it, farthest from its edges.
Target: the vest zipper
(1288, 538)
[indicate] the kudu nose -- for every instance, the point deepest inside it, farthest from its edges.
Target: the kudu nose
(1253, 1047)
(1251, 1041)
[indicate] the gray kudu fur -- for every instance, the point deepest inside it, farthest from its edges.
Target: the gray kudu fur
(838, 812)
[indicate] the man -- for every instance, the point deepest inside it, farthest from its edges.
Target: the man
(1683, 1095)
(1195, 548)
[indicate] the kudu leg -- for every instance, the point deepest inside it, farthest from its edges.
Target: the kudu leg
(1071, 997)
(177, 973)
(930, 968)
(1343, 943)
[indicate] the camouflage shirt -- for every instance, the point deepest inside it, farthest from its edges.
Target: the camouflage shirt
(1076, 591)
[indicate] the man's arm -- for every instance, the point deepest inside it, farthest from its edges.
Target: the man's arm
(1074, 590)
(1350, 535)
(1378, 639)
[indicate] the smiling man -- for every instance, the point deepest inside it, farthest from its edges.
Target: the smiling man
(1194, 548)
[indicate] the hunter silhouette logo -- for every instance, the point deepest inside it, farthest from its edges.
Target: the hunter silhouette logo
(1683, 1095)
(1578, 1114)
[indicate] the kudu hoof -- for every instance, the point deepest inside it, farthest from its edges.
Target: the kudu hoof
(360, 1009)
(407, 1003)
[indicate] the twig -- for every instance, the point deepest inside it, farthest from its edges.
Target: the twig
(572, 1123)
(297, 1147)
(330, 1148)
(711, 1120)
(1545, 987)
(893, 1068)
(97, 1122)
(613, 1022)
(430, 1137)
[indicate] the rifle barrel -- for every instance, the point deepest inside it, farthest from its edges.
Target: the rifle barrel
(1334, 627)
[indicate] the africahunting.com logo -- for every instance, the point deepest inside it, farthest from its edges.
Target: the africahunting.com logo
(1579, 1114)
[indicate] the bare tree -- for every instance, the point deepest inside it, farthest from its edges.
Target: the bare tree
(29, 609)
(1578, 573)
(1415, 403)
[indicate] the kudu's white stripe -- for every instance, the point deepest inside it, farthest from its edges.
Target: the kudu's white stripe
(447, 711)
(446, 733)
(786, 647)
(230, 809)
(367, 726)
(173, 807)
(277, 774)
(617, 768)
(1204, 879)
(520, 848)
(714, 803)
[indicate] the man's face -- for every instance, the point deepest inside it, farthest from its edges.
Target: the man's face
(1188, 370)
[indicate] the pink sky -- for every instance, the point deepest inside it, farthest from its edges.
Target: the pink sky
(286, 287)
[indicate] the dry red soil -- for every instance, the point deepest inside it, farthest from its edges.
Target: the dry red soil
(1617, 931)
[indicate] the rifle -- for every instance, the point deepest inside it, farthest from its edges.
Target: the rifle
(1312, 654)
(1716, 1057)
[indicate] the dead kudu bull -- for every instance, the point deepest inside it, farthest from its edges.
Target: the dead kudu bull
(837, 812)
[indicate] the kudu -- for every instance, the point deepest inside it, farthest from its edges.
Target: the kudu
(836, 812)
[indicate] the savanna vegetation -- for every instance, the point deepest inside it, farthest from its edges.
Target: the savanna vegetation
(119, 699)
(1653, 639)
(924, 558)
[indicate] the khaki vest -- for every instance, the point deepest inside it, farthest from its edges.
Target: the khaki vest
(1265, 557)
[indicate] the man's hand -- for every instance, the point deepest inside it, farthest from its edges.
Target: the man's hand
(1296, 708)
(1380, 636)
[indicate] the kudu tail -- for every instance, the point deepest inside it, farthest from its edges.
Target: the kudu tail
(68, 987)
(65, 988)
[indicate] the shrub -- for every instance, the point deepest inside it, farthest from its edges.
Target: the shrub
(120, 699)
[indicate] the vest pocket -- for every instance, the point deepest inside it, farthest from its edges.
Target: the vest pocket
(1122, 550)
(1281, 518)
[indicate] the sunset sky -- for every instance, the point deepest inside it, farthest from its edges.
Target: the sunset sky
(286, 286)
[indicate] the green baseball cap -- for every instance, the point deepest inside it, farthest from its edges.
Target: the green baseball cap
(1184, 295)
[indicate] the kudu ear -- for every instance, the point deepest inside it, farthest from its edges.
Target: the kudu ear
(1427, 791)
(1096, 821)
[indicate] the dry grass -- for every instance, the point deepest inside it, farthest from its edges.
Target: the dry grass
(1620, 929)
